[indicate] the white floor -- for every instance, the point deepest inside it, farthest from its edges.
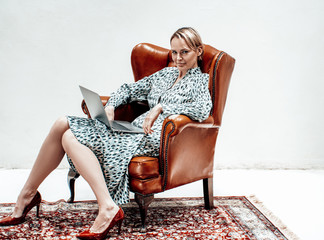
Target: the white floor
(296, 197)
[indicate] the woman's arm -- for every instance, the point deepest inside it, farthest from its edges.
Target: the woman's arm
(136, 91)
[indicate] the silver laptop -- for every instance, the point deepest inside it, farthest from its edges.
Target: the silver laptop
(97, 111)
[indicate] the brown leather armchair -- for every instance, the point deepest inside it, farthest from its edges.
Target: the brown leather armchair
(187, 146)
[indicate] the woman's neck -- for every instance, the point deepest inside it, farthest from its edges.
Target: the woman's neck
(183, 73)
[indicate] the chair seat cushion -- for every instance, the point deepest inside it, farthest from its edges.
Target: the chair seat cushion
(144, 167)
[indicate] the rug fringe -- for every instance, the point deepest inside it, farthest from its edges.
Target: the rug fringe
(275, 220)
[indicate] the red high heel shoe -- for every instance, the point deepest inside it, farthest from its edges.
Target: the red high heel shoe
(118, 219)
(7, 221)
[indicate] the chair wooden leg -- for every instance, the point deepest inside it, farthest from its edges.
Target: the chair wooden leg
(208, 193)
(72, 176)
(143, 202)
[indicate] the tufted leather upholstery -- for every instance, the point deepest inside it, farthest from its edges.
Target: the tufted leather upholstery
(187, 146)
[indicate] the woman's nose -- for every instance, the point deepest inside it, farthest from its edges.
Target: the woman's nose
(179, 57)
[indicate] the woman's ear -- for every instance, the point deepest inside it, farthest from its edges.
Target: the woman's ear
(200, 51)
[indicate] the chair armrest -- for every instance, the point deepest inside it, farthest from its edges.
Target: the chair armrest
(187, 150)
(180, 122)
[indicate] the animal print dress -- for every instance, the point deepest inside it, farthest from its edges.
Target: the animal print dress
(190, 96)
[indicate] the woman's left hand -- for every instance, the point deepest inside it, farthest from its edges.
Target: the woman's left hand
(150, 118)
(110, 112)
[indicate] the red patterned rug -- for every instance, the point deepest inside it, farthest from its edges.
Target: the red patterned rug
(183, 218)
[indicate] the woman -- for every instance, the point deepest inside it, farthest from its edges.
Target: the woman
(102, 156)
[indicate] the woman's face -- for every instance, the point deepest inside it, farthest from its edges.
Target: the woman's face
(184, 57)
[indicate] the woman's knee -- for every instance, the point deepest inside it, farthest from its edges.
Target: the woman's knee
(68, 139)
(61, 125)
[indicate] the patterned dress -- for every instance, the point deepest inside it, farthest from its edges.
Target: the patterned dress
(190, 96)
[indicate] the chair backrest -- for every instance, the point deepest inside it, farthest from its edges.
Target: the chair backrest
(147, 59)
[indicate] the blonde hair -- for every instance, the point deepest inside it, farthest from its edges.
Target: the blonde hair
(191, 37)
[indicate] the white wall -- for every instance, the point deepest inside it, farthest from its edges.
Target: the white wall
(274, 114)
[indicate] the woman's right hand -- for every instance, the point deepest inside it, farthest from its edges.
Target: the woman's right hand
(150, 118)
(110, 112)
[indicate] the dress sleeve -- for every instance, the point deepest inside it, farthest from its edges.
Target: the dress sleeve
(136, 91)
(197, 107)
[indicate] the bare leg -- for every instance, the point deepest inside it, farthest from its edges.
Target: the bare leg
(60, 140)
(49, 157)
(88, 166)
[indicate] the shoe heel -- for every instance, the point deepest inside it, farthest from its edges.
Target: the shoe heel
(37, 210)
(119, 225)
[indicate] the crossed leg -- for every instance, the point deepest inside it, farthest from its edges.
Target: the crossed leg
(59, 141)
